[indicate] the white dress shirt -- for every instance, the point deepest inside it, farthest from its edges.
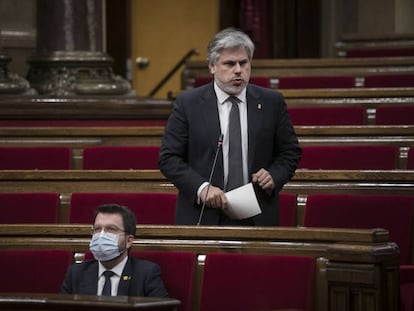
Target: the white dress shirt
(114, 279)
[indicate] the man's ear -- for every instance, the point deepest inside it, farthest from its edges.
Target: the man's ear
(212, 69)
(130, 241)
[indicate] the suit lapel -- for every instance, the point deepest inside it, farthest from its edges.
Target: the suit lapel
(211, 118)
(254, 120)
(89, 283)
(125, 280)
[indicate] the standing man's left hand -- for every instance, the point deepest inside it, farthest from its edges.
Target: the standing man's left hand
(264, 180)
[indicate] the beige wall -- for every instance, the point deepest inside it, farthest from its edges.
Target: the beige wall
(164, 31)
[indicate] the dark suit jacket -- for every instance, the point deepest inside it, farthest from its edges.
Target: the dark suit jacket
(139, 278)
(190, 141)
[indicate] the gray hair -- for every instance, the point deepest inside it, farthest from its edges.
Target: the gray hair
(228, 38)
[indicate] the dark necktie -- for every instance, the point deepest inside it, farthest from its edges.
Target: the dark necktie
(106, 291)
(235, 173)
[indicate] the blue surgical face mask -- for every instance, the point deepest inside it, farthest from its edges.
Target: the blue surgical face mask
(104, 246)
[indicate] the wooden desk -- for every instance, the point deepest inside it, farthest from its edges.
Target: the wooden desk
(303, 183)
(27, 302)
(351, 265)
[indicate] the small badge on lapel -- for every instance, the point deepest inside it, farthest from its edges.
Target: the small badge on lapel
(259, 106)
(126, 278)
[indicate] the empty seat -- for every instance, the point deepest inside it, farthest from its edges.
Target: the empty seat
(316, 82)
(378, 52)
(394, 115)
(29, 208)
(287, 209)
(391, 212)
(390, 80)
(178, 271)
(33, 271)
(149, 208)
(120, 157)
(407, 287)
(261, 81)
(257, 282)
(31, 158)
(410, 159)
(346, 115)
(350, 157)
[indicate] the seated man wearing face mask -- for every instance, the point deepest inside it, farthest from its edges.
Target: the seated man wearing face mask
(113, 272)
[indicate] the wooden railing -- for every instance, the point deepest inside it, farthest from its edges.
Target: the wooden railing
(353, 267)
(79, 137)
(302, 184)
(274, 68)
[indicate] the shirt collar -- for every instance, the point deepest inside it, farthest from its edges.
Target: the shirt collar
(117, 269)
(222, 96)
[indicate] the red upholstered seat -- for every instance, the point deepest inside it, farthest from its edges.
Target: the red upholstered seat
(29, 208)
(391, 212)
(350, 157)
(149, 208)
(316, 82)
(33, 271)
(261, 81)
(394, 213)
(85, 123)
(394, 115)
(178, 271)
(287, 209)
(120, 157)
(378, 52)
(346, 115)
(30, 158)
(410, 159)
(407, 287)
(390, 80)
(257, 282)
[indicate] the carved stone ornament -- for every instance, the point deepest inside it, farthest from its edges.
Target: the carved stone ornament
(62, 73)
(10, 83)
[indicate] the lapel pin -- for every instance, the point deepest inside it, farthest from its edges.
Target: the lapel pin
(126, 277)
(259, 106)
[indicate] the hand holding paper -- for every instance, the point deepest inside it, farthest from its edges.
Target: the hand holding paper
(242, 202)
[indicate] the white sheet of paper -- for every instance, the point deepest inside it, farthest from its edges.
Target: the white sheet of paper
(242, 202)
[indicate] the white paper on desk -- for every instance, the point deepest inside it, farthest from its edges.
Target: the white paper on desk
(242, 202)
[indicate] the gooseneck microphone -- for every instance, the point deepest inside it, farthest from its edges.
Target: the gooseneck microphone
(219, 144)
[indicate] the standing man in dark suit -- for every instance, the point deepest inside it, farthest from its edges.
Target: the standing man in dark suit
(270, 149)
(113, 233)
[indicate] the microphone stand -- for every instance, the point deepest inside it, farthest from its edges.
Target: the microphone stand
(220, 142)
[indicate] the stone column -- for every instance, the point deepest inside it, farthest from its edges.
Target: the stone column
(69, 58)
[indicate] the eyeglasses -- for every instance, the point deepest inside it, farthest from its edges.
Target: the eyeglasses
(108, 229)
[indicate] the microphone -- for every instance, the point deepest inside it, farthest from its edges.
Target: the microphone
(219, 143)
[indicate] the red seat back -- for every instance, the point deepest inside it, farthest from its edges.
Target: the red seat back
(149, 208)
(287, 209)
(410, 158)
(347, 157)
(379, 52)
(346, 115)
(33, 271)
(394, 115)
(316, 82)
(178, 270)
(120, 157)
(407, 287)
(29, 208)
(257, 282)
(31, 158)
(390, 80)
(391, 212)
